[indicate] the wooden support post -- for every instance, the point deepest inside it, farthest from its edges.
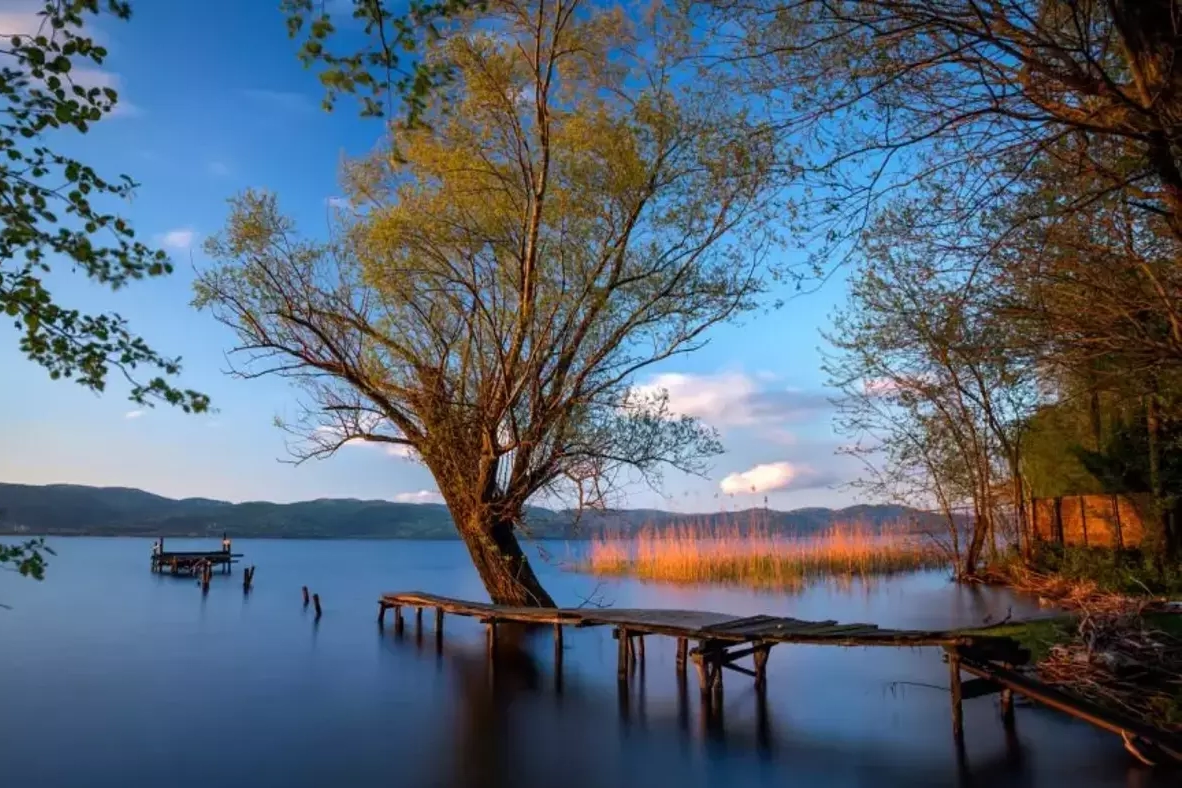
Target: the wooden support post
(491, 638)
(381, 615)
(398, 623)
(558, 646)
(439, 628)
(316, 604)
(1007, 707)
(305, 592)
(703, 672)
(759, 657)
(622, 655)
(954, 687)
(418, 620)
(640, 642)
(716, 677)
(682, 648)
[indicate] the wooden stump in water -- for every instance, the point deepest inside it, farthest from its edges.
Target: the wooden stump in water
(316, 604)
(759, 657)
(622, 654)
(955, 688)
(305, 590)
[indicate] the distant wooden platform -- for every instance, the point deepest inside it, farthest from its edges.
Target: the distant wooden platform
(723, 639)
(193, 562)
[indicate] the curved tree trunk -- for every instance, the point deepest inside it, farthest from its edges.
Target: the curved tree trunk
(501, 563)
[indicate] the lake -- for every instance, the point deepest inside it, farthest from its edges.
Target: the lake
(113, 676)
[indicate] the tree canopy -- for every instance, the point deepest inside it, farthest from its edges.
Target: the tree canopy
(577, 202)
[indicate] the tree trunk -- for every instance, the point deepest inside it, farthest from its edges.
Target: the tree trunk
(502, 565)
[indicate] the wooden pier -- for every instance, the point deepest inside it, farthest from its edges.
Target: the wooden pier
(721, 640)
(193, 562)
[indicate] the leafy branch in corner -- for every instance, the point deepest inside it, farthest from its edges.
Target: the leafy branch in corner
(49, 209)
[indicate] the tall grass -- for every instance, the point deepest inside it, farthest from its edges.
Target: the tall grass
(690, 553)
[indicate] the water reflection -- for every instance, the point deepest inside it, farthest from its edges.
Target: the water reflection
(153, 678)
(501, 731)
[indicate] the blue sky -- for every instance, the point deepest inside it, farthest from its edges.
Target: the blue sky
(213, 100)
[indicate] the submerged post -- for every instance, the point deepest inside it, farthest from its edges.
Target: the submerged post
(682, 648)
(316, 604)
(381, 614)
(491, 638)
(759, 656)
(305, 589)
(1007, 707)
(955, 689)
(438, 628)
(622, 654)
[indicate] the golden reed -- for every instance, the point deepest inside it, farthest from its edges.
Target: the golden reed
(696, 553)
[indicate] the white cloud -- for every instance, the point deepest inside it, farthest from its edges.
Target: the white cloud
(731, 399)
(219, 169)
(421, 496)
(180, 239)
(878, 387)
(133, 414)
(771, 477)
(400, 450)
(25, 20)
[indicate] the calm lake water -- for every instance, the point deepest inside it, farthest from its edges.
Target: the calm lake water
(112, 676)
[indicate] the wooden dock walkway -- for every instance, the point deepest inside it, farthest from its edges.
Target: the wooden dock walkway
(722, 640)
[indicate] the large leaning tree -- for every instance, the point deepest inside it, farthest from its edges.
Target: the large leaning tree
(573, 203)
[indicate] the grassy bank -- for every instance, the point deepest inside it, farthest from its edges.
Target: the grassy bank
(691, 554)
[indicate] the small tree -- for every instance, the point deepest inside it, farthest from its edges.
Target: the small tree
(577, 205)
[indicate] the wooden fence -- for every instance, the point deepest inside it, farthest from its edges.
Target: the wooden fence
(1092, 520)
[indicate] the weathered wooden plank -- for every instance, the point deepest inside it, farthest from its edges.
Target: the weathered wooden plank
(708, 625)
(744, 623)
(1169, 743)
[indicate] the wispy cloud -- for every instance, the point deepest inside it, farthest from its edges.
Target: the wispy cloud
(219, 169)
(733, 399)
(337, 202)
(133, 414)
(280, 100)
(399, 450)
(420, 496)
(774, 477)
(22, 19)
(180, 239)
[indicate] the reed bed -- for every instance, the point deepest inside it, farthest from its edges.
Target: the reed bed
(751, 557)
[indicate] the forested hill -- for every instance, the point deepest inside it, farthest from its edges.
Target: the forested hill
(62, 509)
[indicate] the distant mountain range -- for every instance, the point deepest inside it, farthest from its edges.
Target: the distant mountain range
(75, 510)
